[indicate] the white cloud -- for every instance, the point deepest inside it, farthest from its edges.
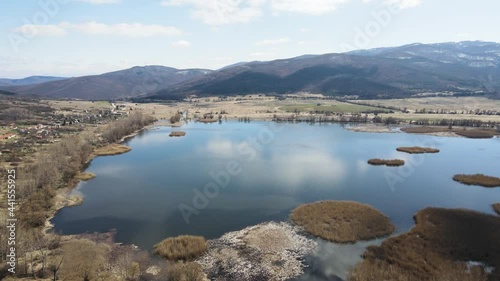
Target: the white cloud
(121, 29)
(40, 30)
(273, 42)
(98, 2)
(312, 7)
(404, 4)
(220, 12)
(181, 44)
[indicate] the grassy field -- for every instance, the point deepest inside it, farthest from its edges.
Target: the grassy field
(342, 221)
(438, 103)
(337, 107)
(433, 248)
(478, 179)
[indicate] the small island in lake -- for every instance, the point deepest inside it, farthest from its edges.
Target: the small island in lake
(496, 207)
(390, 163)
(342, 221)
(478, 179)
(177, 134)
(417, 150)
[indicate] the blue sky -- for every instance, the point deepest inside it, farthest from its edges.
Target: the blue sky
(81, 37)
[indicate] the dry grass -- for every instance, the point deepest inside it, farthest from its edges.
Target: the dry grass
(177, 134)
(476, 134)
(478, 179)
(496, 207)
(431, 249)
(469, 133)
(185, 272)
(390, 163)
(181, 248)
(417, 150)
(112, 149)
(84, 176)
(342, 221)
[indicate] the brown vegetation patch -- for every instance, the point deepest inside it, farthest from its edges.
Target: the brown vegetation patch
(207, 120)
(185, 271)
(342, 221)
(496, 207)
(112, 149)
(468, 133)
(177, 134)
(181, 248)
(417, 150)
(390, 163)
(440, 239)
(476, 134)
(478, 179)
(84, 176)
(423, 130)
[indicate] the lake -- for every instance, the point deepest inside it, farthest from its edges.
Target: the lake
(242, 174)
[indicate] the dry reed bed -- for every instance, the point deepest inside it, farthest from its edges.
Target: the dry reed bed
(177, 134)
(112, 149)
(183, 248)
(469, 133)
(440, 239)
(478, 179)
(390, 163)
(342, 221)
(496, 207)
(207, 120)
(417, 150)
(84, 176)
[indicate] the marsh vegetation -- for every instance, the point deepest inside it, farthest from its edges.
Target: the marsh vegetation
(183, 248)
(439, 245)
(478, 179)
(112, 149)
(417, 150)
(177, 134)
(390, 163)
(342, 221)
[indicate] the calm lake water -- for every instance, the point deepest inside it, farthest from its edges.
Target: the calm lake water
(275, 168)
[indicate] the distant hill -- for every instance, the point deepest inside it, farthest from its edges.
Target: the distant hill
(463, 68)
(6, 93)
(32, 80)
(127, 83)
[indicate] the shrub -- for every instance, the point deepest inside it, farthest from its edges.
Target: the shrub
(496, 207)
(185, 272)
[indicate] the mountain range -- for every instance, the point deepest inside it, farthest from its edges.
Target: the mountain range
(464, 68)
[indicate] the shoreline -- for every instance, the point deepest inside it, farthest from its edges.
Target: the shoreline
(63, 197)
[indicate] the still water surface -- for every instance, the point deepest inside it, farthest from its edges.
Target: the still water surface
(139, 193)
